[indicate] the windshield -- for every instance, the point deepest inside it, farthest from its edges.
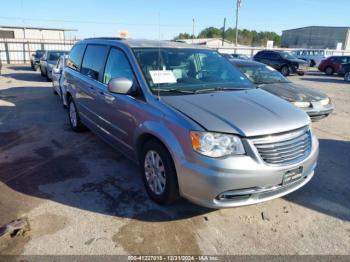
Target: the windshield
(53, 56)
(287, 55)
(262, 74)
(188, 70)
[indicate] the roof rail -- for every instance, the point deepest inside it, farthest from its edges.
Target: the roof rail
(104, 38)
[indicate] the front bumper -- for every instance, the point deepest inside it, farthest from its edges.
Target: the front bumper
(318, 112)
(244, 179)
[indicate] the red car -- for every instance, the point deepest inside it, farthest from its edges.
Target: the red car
(332, 64)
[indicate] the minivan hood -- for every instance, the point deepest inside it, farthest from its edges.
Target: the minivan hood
(293, 92)
(250, 112)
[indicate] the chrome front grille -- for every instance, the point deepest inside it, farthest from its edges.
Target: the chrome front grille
(284, 149)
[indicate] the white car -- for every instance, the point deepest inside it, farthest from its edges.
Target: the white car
(57, 78)
(313, 56)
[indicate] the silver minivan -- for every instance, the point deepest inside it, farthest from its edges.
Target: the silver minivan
(194, 123)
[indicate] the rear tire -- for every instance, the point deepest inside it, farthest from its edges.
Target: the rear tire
(285, 70)
(159, 173)
(74, 118)
(329, 70)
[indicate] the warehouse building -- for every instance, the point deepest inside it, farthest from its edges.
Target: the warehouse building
(17, 44)
(16, 32)
(317, 37)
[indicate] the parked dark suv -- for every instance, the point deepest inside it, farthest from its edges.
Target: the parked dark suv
(282, 61)
(331, 65)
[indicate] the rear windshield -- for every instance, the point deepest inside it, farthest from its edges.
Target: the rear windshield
(53, 56)
(261, 74)
(188, 69)
(38, 54)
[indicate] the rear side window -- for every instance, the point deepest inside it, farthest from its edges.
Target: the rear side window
(273, 56)
(264, 55)
(117, 66)
(259, 55)
(93, 60)
(75, 57)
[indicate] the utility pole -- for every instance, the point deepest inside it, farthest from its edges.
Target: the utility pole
(223, 32)
(192, 29)
(237, 10)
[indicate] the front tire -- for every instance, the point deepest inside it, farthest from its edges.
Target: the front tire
(312, 63)
(41, 71)
(285, 70)
(74, 118)
(159, 173)
(54, 89)
(347, 77)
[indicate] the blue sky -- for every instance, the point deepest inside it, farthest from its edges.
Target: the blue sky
(141, 18)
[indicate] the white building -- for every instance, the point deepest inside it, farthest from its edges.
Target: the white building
(208, 42)
(38, 33)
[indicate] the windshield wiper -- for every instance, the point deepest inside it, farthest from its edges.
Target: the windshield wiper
(217, 89)
(173, 90)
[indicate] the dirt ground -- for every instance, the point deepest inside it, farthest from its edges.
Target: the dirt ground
(82, 197)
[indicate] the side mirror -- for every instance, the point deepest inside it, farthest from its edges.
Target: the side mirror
(120, 85)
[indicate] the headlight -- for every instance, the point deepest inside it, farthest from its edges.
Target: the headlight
(302, 104)
(325, 101)
(216, 144)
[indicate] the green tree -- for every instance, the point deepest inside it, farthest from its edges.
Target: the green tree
(245, 37)
(210, 32)
(183, 36)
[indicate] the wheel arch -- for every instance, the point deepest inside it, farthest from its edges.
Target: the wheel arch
(158, 132)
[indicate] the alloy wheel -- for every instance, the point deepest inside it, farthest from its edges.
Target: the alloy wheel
(155, 172)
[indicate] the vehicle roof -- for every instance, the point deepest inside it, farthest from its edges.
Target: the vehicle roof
(274, 51)
(134, 43)
(243, 62)
(63, 51)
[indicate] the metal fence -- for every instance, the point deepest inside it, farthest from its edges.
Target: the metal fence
(19, 51)
(251, 51)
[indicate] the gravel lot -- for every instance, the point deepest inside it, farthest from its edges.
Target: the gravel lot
(82, 197)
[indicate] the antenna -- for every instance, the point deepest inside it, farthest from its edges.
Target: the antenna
(192, 30)
(159, 38)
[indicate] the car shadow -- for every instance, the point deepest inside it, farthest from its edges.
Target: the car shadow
(21, 68)
(328, 191)
(43, 158)
(74, 169)
(32, 77)
(325, 79)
